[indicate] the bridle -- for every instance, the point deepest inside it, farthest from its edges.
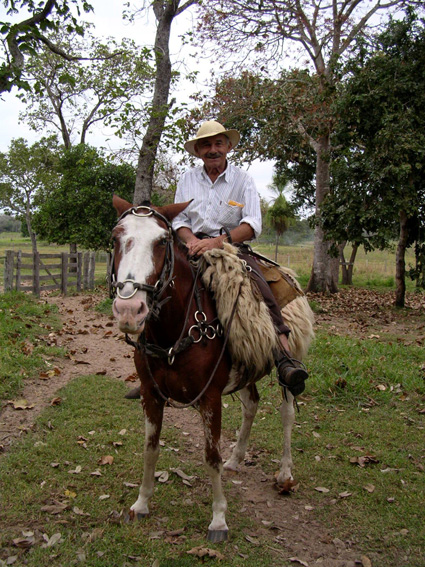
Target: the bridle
(154, 292)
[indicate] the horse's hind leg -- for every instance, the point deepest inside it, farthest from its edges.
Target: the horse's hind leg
(154, 411)
(287, 412)
(249, 400)
(211, 417)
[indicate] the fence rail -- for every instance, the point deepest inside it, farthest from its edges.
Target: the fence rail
(43, 272)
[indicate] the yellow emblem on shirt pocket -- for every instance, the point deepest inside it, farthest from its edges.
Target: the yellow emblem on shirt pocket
(236, 204)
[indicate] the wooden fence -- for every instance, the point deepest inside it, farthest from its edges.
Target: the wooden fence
(42, 272)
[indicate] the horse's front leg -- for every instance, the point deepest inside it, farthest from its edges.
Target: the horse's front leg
(249, 401)
(154, 411)
(211, 417)
(287, 412)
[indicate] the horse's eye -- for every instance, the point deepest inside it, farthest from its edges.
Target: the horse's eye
(163, 241)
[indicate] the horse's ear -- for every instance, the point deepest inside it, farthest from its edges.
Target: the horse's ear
(171, 211)
(120, 205)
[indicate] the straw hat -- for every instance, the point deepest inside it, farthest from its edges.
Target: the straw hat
(208, 129)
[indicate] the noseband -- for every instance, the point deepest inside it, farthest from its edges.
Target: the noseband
(165, 279)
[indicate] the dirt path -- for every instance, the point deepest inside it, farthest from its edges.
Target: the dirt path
(94, 346)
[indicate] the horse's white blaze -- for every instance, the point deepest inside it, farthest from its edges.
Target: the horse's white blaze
(141, 506)
(137, 258)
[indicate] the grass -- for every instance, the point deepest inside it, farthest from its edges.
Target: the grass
(25, 346)
(359, 435)
(38, 473)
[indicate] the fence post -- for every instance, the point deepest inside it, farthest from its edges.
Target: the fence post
(92, 266)
(36, 273)
(79, 269)
(18, 270)
(64, 273)
(8, 270)
(86, 270)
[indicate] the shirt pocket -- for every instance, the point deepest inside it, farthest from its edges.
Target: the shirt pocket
(231, 216)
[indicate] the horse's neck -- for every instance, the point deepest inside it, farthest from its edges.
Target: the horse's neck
(174, 312)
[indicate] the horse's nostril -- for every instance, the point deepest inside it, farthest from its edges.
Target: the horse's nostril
(141, 309)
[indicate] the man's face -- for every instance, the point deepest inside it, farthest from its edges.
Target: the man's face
(213, 151)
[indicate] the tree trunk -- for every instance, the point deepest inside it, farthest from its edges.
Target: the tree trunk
(324, 275)
(400, 263)
(29, 226)
(164, 13)
(276, 247)
(347, 267)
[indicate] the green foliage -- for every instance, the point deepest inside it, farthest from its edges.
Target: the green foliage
(79, 208)
(379, 173)
(26, 37)
(24, 326)
(25, 173)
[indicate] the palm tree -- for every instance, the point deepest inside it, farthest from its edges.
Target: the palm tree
(281, 214)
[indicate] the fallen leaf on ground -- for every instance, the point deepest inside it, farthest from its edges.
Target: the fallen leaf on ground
(364, 460)
(20, 404)
(321, 489)
(182, 475)
(24, 542)
(55, 401)
(106, 460)
(345, 494)
(162, 476)
(366, 562)
(369, 487)
(296, 560)
(55, 508)
(288, 486)
(50, 542)
(205, 551)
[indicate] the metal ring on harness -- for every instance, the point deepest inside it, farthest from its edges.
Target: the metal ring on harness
(171, 356)
(191, 335)
(120, 285)
(135, 213)
(203, 320)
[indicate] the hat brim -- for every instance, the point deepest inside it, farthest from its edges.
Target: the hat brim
(233, 136)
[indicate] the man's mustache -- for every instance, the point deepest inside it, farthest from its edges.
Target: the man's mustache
(213, 155)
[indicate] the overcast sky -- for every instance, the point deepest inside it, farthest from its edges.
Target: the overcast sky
(108, 22)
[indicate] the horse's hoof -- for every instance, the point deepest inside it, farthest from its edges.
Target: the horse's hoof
(216, 536)
(132, 516)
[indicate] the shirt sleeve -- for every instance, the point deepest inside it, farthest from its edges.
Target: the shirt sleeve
(181, 220)
(252, 209)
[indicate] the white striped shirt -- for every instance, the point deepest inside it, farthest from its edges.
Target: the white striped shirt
(231, 200)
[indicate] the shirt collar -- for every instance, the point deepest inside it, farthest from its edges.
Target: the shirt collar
(227, 174)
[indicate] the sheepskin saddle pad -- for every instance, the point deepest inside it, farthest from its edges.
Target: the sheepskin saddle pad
(252, 339)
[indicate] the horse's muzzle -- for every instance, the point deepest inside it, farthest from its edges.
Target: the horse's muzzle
(131, 314)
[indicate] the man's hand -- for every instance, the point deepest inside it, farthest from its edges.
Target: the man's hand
(197, 247)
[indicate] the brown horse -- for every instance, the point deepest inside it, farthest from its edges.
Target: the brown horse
(180, 353)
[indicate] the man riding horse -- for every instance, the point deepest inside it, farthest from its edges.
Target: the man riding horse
(225, 206)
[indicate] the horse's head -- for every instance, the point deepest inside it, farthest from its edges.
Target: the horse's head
(143, 260)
